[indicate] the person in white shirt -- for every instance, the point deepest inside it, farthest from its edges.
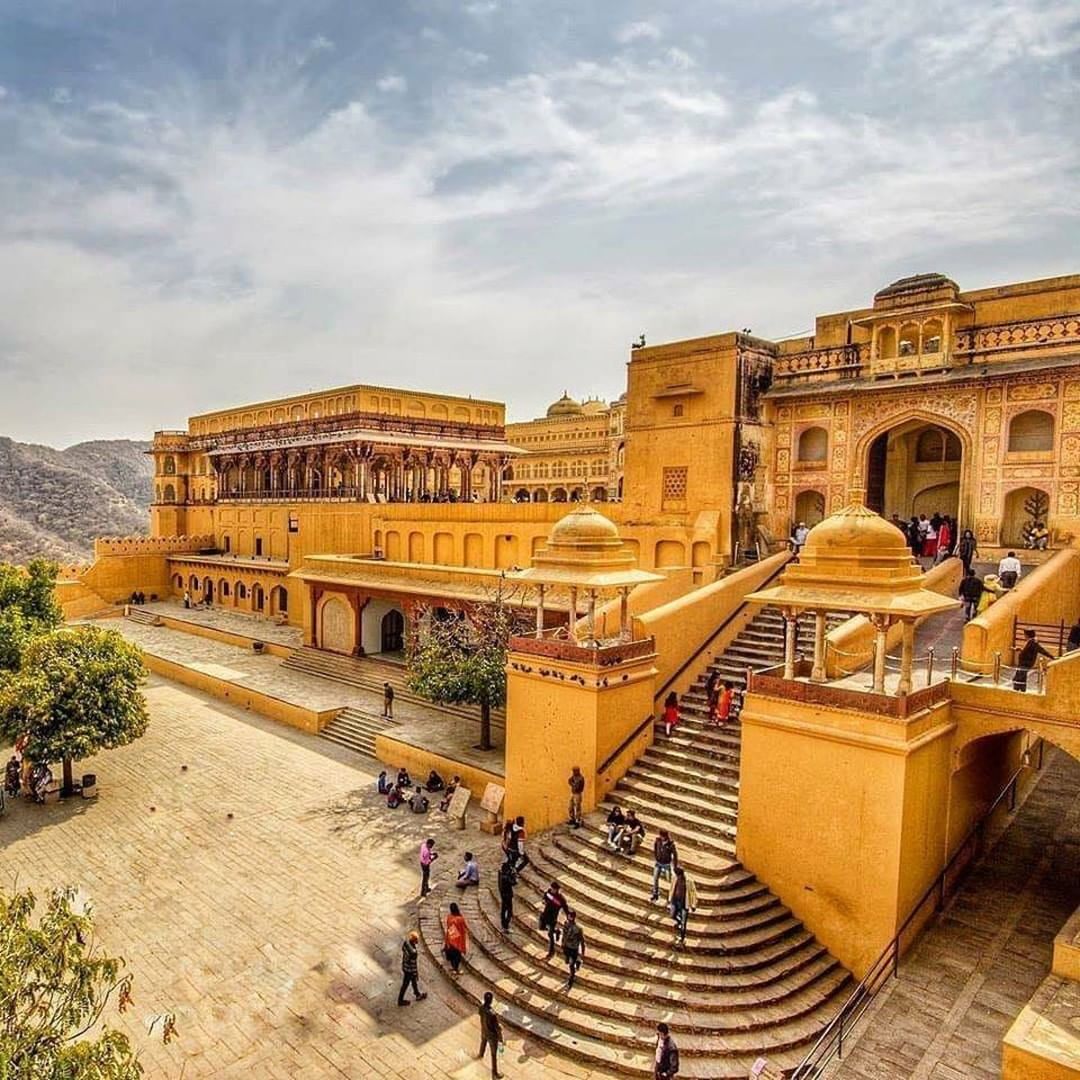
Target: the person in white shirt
(1009, 570)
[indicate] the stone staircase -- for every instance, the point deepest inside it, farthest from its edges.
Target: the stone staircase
(751, 980)
(356, 730)
(369, 673)
(141, 615)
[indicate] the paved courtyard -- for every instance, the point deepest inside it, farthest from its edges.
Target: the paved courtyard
(978, 964)
(273, 935)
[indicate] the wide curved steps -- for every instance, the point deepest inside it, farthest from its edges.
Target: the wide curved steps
(750, 981)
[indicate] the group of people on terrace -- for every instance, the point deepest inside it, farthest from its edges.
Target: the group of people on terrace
(402, 791)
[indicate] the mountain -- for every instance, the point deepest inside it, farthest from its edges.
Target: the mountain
(55, 502)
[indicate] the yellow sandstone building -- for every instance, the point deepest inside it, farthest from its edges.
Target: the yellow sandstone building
(356, 513)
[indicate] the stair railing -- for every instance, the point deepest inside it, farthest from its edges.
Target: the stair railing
(830, 1043)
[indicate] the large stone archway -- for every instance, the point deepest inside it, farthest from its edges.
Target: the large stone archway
(888, 475)
(337, 625)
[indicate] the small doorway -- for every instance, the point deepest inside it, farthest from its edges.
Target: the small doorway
(393, 632)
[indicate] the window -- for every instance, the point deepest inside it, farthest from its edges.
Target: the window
(674, 484)
(227, 543)
(677, 410)
(258, 546)
(814, 445)
(1031, 431)
(294, 522)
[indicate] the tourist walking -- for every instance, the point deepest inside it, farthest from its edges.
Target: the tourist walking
(671, 713)
(187, 599)
(712, 691)
(682, 899)
(944, 540)
(577, 789)
(455, 938)
(971, 590)
(554, 904)
(667, 1054)
(1009, 570)
(490, 1033)
(665, 855)
(516, 844)
(1025, 661)
(388, 701)
(410, 968)
(507, 881)
(722, 713)
(967, 549)
(428, 855)
(798, 538)
(573, 946)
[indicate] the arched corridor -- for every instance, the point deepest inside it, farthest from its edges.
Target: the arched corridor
(915, 468)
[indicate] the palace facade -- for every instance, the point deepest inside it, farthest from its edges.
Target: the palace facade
(929, 398)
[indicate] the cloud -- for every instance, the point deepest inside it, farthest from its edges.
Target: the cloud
(638, 31)
(481, 8)
(172, 242)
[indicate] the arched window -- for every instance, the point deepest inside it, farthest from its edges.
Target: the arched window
(813, 444)
(908, 343)
(931, 336)
(170, 493)
(170, 465)
(953, 450)
(241, 591)
(886, 346)
(1031, 430)
(677, 410)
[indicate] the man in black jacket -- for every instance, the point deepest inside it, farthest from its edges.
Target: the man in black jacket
(507, 881)
(490, 1033)
(971, 590)
(1025, 661)
(667, 1054)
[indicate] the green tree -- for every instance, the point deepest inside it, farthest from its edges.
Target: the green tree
(77, 692)
(28, 607)
(463, 660)
(54, 988)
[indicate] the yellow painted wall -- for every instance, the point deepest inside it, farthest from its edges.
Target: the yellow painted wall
(843, 815)
(553, 723)
(683, 626)
(420, 762)
(309, 720)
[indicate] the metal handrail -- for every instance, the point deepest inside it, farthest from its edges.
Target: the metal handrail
(830, 1042)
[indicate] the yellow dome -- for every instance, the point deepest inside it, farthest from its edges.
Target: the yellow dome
(582, 526)
(855, 529)
(565, 406)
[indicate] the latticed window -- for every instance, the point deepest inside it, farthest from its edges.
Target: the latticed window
(674, 486)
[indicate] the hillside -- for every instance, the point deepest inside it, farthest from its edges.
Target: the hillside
(55, 502)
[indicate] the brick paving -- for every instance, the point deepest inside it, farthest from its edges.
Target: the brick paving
(275, 935)
(970, 974)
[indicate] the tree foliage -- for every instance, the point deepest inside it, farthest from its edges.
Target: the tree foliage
(462, 660)
(28, 608)
(77, 692)
(54, 988)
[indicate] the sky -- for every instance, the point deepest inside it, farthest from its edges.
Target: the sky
(219, 201)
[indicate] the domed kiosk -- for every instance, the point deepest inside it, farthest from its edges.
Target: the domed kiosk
(855, 561)
(584, 553)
